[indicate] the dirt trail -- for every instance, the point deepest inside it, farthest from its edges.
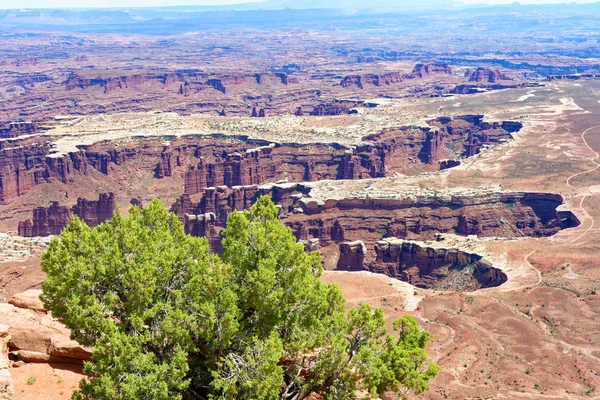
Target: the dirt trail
(593, 160)
(581, 207)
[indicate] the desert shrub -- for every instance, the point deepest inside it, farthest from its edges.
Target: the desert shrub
(167, 319)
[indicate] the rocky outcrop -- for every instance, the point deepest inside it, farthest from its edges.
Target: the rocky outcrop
(445, 164)
(422, 70)
(485, 75)
(484, 87)
(83, 80)
(411, 216)
(231, 161)
(422, 265)
(46, 221)
(433, 266)
(361, 81)
(467, 134)
(29, 299)
(329, 109)
(95, 212)
(26, 164)
(352, 255)
(245, 165)
(15, 129)
(495, 214)
(37, 337)
(208, 216)
(311, 244)
(185, 82)
(276, 78)
(217, 84)
(51, 220)
(574, 77)
(24, 62)
(7, 390)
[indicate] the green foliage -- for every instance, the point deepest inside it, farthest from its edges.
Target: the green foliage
(168, 320)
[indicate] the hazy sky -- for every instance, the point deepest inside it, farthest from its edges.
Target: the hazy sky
(4, 4)
(9, 4)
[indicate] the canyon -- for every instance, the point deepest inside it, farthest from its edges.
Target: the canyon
(443, 167)
(237, 160)
(422, 265)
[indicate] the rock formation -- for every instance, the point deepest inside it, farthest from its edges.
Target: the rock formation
(421, 70)
(485, 75)
(329, 109)
(445, 164)
(15, 129)
(51, 220)
(208, 216)
(37, 337)
(22, 62)
(186, 82)
(7, 390)
(214, 161)
(24, 165)
(46, 221)
(484, 87)
(361, 81)
(352, 255)
(574, 77)
(422, 265)
(412, 215)
(217, 84)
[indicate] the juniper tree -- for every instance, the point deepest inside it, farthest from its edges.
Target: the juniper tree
(166, 319)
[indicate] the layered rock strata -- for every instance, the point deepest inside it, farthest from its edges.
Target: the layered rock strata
(502, 214)
(15, 129)
(484, 87)
(51, 220)
(412, 214)
(485, 75)
(361, 81)
(37, 337)
(391, 78)
(231, 161)
(422, 265)
(188, 82)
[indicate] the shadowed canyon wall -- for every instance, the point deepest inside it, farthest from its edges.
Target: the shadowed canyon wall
(496, 214)
(51, 220)
(421, 265)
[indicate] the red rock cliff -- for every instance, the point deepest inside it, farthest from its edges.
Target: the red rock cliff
(51, 220)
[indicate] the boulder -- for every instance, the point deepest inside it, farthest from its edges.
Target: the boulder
(29, 299)
(36, 357)
(37, 337)
(7, 391)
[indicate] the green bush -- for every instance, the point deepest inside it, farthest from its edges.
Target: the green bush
(169, 320)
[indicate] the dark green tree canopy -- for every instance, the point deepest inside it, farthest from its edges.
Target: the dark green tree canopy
(166, 319)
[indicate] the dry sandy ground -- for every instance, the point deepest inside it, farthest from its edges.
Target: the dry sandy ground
(19, 264)
(45, 381)
(538, 335)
